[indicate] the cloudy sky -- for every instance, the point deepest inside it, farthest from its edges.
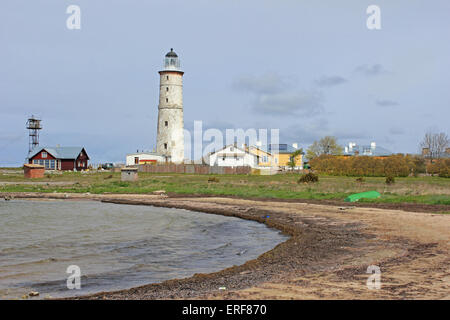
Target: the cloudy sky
(309, 68)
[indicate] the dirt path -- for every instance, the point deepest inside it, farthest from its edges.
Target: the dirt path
(326, 256)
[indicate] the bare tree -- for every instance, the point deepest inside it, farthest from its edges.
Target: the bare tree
(427, 145)
(442, 143)
(326, 145)
(434, 144)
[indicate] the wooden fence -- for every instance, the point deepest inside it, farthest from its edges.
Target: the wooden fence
(193, 168)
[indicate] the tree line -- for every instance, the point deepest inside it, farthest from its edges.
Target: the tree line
(325, 156)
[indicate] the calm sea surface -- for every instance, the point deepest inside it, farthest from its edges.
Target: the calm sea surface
(116, 246)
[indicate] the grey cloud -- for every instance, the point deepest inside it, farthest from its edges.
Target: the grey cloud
(329, 81)
(370, 70)
(387, 142)
(344, 134)
(265, 84)
(306, 133)
(306, 103)
(273, 95)
(386, 103)
(396, 131)
(210, 124)
(311, 131)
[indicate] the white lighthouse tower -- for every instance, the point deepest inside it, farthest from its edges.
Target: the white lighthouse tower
(170, 138)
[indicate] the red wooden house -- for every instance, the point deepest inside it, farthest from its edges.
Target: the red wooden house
(60, 158)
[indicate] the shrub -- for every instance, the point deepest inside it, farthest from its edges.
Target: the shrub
(308, 177)
(390, 180)
(444, 168)
(440, 167)
(445, 173)
(416, 164)
(109, 177)
(213, 179)
(360, 180)
(396, 165)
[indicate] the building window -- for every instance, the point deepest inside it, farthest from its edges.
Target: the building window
(166, 123)
(231, 148)
(44, 155)
(48, 164)
(165, 146)
(167, 88)
(167, 99)
(167, 77)
(136, 160)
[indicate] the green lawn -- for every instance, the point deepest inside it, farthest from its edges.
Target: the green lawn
(427, 190)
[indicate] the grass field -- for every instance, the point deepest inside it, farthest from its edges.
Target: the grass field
(427, 190)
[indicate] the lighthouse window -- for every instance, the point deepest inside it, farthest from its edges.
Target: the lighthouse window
(166, 123)
(165, 146)
(167, 88)
(167, 99)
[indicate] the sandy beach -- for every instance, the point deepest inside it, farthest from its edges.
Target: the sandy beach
(326, 256)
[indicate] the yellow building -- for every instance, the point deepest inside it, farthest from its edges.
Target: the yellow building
(276, 156)
(281, 154)
(264, 158)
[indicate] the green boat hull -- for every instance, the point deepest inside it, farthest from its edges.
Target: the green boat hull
(367, 195)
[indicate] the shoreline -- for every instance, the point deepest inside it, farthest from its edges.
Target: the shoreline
(324, 240)
(406, 206)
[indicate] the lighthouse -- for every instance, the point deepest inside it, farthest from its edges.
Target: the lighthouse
(170, 136)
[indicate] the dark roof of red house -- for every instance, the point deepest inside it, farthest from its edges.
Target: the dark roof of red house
(60, 152)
